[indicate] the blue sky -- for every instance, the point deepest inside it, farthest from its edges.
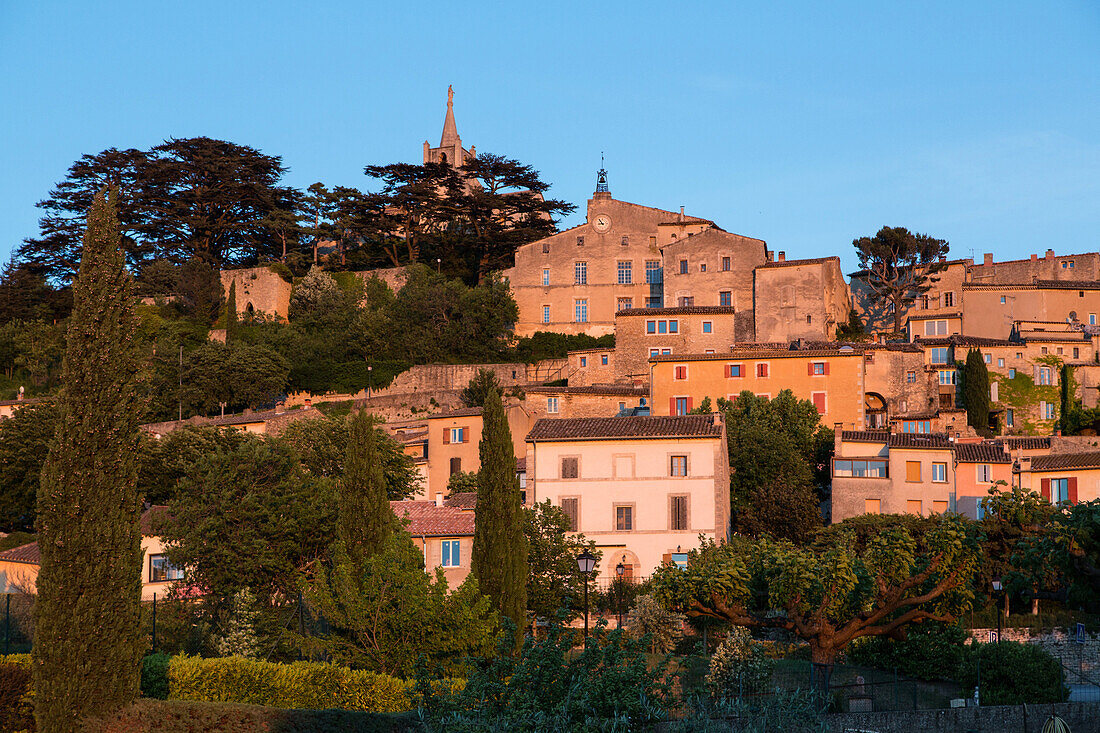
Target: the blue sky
(806, 124)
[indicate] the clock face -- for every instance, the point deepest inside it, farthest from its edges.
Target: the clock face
(602, 223)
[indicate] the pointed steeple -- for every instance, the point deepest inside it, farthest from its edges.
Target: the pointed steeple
(450, 130)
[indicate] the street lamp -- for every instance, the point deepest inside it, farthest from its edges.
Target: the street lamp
(997, 589)
(370, 379)
(619, 570)
(586, 561)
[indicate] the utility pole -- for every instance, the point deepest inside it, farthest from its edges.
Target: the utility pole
(179, 393)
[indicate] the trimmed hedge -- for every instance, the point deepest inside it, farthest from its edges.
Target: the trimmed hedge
(16, 706)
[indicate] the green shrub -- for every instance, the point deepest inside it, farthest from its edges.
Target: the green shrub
(930, 651)
(16, 710)
(172, 716)
(739, 667)
(1014, 674)
(154, 676)
(302, 685)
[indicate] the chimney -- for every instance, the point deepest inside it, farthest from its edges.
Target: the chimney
(769, 256)
(1050, 254)
(782, 256)
(1057, 432)
(838, 437)
(987, 259)
(308, 404)
(439, 499)
(1034, 258)
(247, 411)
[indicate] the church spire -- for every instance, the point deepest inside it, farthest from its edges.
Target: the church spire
(450, 130)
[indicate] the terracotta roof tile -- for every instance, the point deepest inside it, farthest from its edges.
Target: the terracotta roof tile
(30, 554)
(684, 310)
(635, 427)
(152, 519)
(461, 412)
(959, 340)
(981, 453)
(622, 390)
(461, 500)
(1025, 442)
(1037, 285)
(865, 436)
(792, 263)
(758, 354)
(428, 520)
(1063, 461)
(24, 553)
(920, 440)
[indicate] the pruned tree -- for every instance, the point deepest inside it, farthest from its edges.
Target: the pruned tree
(975, 391)
(475, 392)
(364, 518)
(899, 265)
(866, 577)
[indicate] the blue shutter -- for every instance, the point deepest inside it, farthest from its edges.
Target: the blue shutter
(445, 559)
(455, 553)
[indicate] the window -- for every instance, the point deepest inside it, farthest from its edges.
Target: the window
(652, 271)
(988, 358)
(1059, 351)
(545, 247)
(626, 272)
(624, 303)
(1019, 355)
(680, 372)
(1011, 373)
(1059, 490)
(761, 370)
(673, 326)
(948, 300)
(725, 298)
(984, 473)
(580, 273)
(679, 559)
(456, 465)
(1092, 319)
(707, 328)
(947, 376)
(1076, 353)
(860, 468)
(939, 355)
(1010, 418)
(625, 240)
(911, 377)
(450, 554)
(580, 241)
(939, 473)
(666, 352)
(683, 267)
(569, 467)
(682, 405)
(817, 368)
(603, 359)
(584, 361)
(653, 301)
(653, 241)
(819, 401)
(912, 471)
(1002, 300)
(725, 264)
(570, 506)
(454, 435)
(1044, 375)
(702, 267)
(580, 311)
(920, 427)
(662, 326)
(1000, 362)
(935, 328)
(162, 571)
(939, 507)
(546, 276)
(552, 405)
(872, 506)
(1046, 410)
(734, 371)
(686, 301)
(913, 506)
(677, 512)
(546, 314)
(1044, 350)
(678, 466)
(624, 518)
(651, 326)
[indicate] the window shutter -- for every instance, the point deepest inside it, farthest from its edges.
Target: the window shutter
(1072, 490)
(729, 371)
(666, 559)
(809, 368)
(826, 369)
(446, 436)
(671, 405)
(1044, 485)
(691, 404)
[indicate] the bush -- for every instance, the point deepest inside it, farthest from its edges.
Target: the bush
(739, 667)
(308, 685)
(154, 676)
(650, 619)
(158, 716)
(16, 708)
(1014, 674)
(930, 651)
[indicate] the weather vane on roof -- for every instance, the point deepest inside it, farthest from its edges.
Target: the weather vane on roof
(601, 177)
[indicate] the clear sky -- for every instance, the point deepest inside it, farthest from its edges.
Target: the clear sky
(804, 123)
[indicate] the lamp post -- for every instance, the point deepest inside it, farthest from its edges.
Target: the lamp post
(619, 570)
(370, 379)
(585, 562)
(997, 590)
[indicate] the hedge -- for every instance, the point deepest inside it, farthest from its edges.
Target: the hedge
(16, 707)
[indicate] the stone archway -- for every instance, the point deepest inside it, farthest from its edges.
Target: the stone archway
(876, 411)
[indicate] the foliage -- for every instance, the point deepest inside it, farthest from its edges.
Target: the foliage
(316, 295)
(798, 711)
(898, 266)
(653, 623)
(24, 443)
(853, 329)
(869, 577)
(550, 345)
(975, 392)
(232, 322)
(27, 296)
(385, 613)
(1066, 555)
(176, 716)
(554, 586)
(1013, 674)
(238, 636)
(154, 676)
(163, 461)
(499, 559)
(929, 651)
(238, 374)
(775, 448)
(88, 537)
(364, 518)
(546, 686)
(739, 666)
(462, 482)
(473, 395)
(1011, 520)
(16, 695)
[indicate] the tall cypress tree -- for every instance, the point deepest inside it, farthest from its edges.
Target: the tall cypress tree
(231, 319)
(499, 559)
(365, 518)
(976, 391)
(87, 633)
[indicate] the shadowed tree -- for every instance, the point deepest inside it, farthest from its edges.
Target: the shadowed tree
(87, 630)
(231, 316)
(976, 392)
(364, 517)
(898, 266)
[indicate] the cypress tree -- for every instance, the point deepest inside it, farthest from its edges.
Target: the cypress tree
(976, 391)
(499, 559)
(364, 514)
(87, 633)
(231, 319)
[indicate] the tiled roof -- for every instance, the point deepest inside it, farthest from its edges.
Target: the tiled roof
(1037, 285)
(959, 340)
(758, 354)
(920, 440)
(1026, 442)
(243, 419)
(922, 316)
(1063, 337)
(980, 453)
(461, 412)
(624, 390)
(521, 464)
(810, 345)
(428, 520)
(1062, 461)
(686, 220)
(24, 401)
(639, 427)
(461, 500)
(792, 263)
(865, 436)
(682, 310)
(24, 553)
(152, 519)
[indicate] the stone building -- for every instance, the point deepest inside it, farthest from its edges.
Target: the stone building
(450, 148)
(943, 300)
(590, 366)
(259, 290)
(800, 299)
(1084, 266)
(600, 400)
(990, 310)
(642, 333)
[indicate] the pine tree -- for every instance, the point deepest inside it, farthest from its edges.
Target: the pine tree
(976, 391)
(87, 631)
(231, 319)
(365, 518)
(500, 547)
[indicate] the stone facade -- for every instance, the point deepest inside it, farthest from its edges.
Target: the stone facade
(641, 333)
(259, 290)
(944, 296)
(593, 401)
(992, 310)
(1084, 266)
(896, 383)
(800, 299)
(590, 366)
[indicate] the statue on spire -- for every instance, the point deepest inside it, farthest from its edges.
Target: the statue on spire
(450, 96)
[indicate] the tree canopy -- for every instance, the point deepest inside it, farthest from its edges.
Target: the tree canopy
(899, 265)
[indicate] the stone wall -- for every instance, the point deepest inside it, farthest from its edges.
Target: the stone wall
(1081, 717)
(1081, 659)
(800, 299)
(704, 276)
(259, 290)
(432, 378)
